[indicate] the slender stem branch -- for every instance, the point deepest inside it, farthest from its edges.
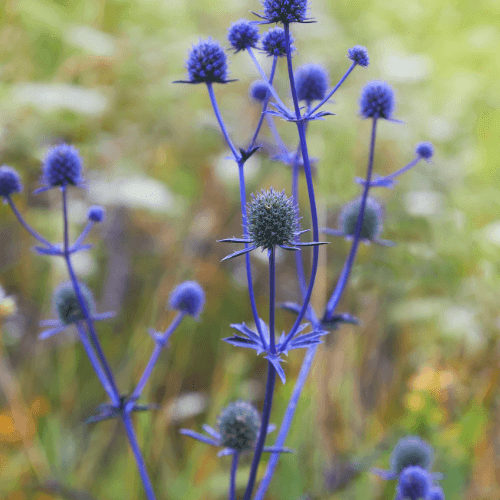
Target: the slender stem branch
(232, 477)
(403, 169)
(83, 235)
(221, 121)
(272, 299)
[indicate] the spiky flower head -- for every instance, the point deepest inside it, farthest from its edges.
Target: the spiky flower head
(65, 303)
(239, 425)
(188, 297)
(311, 82)
(436, 493)
(359, 55)
(377, 100)
(272, 219)
(411, 450)
(259, 91)
(372, 219)
(414, 484)
(207, 62)
(62, 166)
(96, 213)
(242, 35)
(425, 150)
(285, 11)
(274, 42)
(10, 182)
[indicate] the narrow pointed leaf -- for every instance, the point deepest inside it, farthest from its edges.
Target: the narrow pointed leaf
(240, 252)
(199, 437)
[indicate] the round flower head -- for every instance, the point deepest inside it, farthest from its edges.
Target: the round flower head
(414, 484)
(62, 166)
(96, 214)
(359, 55)
(274, 42)
(424, 150)
(188, 297)
(311, 82)
(372, 219)
(242, 35)
(239, 425)
(259, 91)
(207, 62)
(377, 100)
(411, 450)
(285, 11)
(10, 182)
(66, 305)
(436, 493)
(272, 219)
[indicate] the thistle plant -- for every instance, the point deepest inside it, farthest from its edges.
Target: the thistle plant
(270, 219)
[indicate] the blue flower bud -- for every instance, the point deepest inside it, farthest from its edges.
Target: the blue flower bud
(96, 213)
(359, 55)
(377, 100)
(207, 62)
(10, 182)
(414, 484)
(436, 493)
(311, 82)
(239, 425)
(259, 91)
(242, 35)
(274, 42)
(285, 11)
(424, 150)
(188, 297)
(62, 166)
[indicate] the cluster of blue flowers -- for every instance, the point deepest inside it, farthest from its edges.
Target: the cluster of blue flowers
(270, 220)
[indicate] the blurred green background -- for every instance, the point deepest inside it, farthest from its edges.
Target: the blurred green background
(425, 359)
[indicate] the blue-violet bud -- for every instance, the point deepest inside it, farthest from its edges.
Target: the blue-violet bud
(10, 182)
(372, 219)
(62, 166)
(311, 82)
(424, 150)
(414, 484)
(271, 219)
(207, 62)
(359, 55)
(96, 213)
(188, 297)
(377, 100)
(285, 11)
(274, 42)
(65, 302)
(242, 35)
(411, 450)
(239, 425)
(436, 493)
(259, 91)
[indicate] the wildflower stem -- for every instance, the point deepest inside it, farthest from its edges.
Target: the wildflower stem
(84, 234)
(346, 270)
(232, 477)
(272, 298)
(221, 121)
(403, 169)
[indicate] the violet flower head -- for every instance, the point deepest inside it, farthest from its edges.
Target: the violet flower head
(188, 298)
(62, 166)
(311, 82)
(414, 484)
(10, 182)
(285, 11)
(274, 42)
(436, 493)
(359, 55)
(96, 213)
(259, 91)
(377, 100)
(242, 35)
(425, 150)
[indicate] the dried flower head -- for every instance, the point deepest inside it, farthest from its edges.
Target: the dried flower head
(414, 484)
(62, 166)
(359, 55)
(311, 82)
(66, 305)
(96, 213)
(10, 182)
(377, 100)
(425, 150)
(274, 42)
(188, 297)
(242, 35)
(239, 425)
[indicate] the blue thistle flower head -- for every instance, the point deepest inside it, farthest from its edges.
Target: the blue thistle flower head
(311, 82)
(242, 35)
(411, 450)
(274, 42)
(414, 484)
(62, 166)
(359, 55)
(436, 493)
(96, 213)
(10, 182)
(239, 425)
(259, 91)
(66, 305)
(285, 11)
(377, 100)
(188, 297)
(372, 219)
(207, 63)
(425, 150)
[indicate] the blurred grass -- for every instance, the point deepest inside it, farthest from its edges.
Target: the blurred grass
(425, 360)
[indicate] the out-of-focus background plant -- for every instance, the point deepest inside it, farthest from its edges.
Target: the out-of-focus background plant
(426, 358)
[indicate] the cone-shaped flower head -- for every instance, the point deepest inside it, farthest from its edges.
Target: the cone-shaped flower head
(207, 62)
(62, 166)
(377, 100)
(272, 219)
(96, 213)
(285, 11)
(414, 484)
(10, 182)
(359, 55)
(311, 82)
(411, 450)
(259, 91)
(242, 35)
(188, 297)
(239, 425)
(372, 219)
(424, 150)
(66, 305)
(274, 42)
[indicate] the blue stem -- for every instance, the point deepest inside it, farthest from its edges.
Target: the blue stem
(84, 234)
(221, 121)
(346, 270)
(404, 169)
(232, 477)
(272, 299)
